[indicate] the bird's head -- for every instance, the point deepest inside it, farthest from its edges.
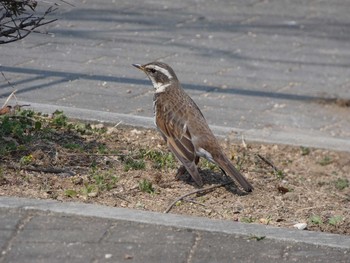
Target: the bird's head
(161, 75)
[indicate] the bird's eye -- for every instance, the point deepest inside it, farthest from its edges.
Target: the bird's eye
(152, 70)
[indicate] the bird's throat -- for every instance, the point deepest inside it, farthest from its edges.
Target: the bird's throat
(160, 87)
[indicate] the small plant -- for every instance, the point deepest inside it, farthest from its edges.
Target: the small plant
(209, 165)
(247, 220)
(102, 149)
(178, 203)
(25, 160)
(146, 186)
(16, 128)
(341, 183)
(82, 128)
(335, 220)
(304, 150)
(161, 160)
(59, 119)
(266, 220)
(19, 129)
(280, 174)
(89, 190)
(70, 193)
(317, 220)
(325, 161)
(130, 163)
(104, 181)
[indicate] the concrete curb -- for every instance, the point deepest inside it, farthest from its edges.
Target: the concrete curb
(264, 136)
(196, 223)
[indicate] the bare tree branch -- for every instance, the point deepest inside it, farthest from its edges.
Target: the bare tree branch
(19, 18)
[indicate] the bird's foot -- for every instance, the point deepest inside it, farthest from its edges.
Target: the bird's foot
(180, 172)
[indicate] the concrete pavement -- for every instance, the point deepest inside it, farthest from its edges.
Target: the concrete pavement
(267, 70)
(263, 69)
(51, 231)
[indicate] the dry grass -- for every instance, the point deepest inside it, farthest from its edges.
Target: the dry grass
(131, 167)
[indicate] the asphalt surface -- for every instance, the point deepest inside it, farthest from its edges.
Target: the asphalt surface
(271, 71)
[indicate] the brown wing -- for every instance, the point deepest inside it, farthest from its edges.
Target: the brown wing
(173, 127)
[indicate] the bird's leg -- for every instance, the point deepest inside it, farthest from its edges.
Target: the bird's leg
(182, 170)
(196, 160)
(223, 171)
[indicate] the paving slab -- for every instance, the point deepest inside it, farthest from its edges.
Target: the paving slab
(264, 67)
(264, 70)
(51, 231)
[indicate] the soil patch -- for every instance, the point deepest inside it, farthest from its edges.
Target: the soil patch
(131, 167)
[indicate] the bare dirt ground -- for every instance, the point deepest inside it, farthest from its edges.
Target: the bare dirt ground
(131, 167)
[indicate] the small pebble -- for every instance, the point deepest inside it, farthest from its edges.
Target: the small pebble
(300, 226)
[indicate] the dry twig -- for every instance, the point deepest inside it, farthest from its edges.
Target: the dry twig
(210, 188)
(7, 108)
(9, 97)
(268, 162)
(190, 200)
(19, 18)
(244, 143)
(42, 169)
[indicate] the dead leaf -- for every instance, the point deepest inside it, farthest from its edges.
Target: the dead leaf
(5, 110)
(282, 189)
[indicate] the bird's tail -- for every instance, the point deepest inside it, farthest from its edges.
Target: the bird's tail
(231, 171)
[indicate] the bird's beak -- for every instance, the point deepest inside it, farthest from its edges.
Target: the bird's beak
(138, 66)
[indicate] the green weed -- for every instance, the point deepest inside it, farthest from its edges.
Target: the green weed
(130, 163)
(146, 186)
(325, 161)
(247, 220)
(25, 160)
(304, 150)
(59, 119)
(160, 159)
(16, 129)
(341, 183)
(280, 174)
(104, 180)
(317, 220)
(89, 190)
(209, 165)
(70, 193)
(102, 149)
(335, 220)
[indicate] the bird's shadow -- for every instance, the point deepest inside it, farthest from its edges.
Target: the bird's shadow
(211, 177)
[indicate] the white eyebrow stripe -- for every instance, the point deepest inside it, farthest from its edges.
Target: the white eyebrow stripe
(164, 71)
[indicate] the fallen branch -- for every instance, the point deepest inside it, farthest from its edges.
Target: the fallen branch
(210, 188)
(9, 97)
(7, 108)
(121, 197)
(100, 154)
(42, 169)
(268, 162)
(190, 200)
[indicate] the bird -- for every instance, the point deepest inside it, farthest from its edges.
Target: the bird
(184, 127)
